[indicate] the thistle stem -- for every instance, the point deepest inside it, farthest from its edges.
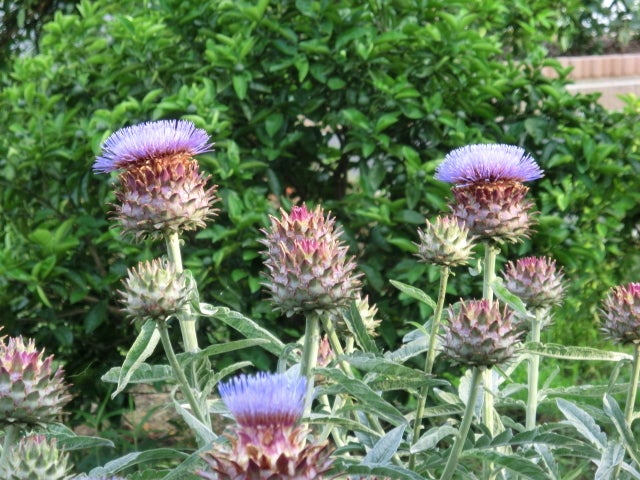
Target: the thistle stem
(463, 431)
(534, 371)
(334, 341)
(180, 376)
(310, 356)
(185, 318)
(490, 254)
(431, 356)
(633, 386)
(11, 433)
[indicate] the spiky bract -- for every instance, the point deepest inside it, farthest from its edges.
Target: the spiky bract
(536, 281)
(621, 313)
(35, 458)
(480, 334)
(154, 290)
(308, 267)
(445, 242)
(31, 392)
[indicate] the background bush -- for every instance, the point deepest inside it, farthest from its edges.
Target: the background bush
(348, 103)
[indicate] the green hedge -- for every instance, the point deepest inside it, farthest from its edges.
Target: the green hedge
(348, 103)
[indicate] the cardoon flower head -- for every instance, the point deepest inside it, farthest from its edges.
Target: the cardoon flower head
(268, 442)
(621, 313)
(162, 190)
(308, 267)
(154, 290)
(35, 457)
(30, 391)
(149, 142)
(445, 242)
(488, 190)
(479, 334)
(536, 280)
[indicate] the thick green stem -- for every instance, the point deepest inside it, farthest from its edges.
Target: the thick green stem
(310, 356)
(185, 388)
(431, 356)
(463, 431)
(11, 433)
(490, 254)
(534, 371)
(186, 318)
(633, 386)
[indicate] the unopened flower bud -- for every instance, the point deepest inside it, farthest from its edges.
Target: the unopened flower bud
(536, 281)
(35, 457)
(445, 242)
(621, 314)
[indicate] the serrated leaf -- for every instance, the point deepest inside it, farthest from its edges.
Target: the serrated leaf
(247, 327)
(204, 433)
(367, 400)
(145, 373)
(142, 348)
(383, 471)
(414, 292)
(614, 412)
(137, 458)
(385, 448)
(582, 422)
(515, 463)
(573, 353)
(612, 456)
(358, 329)
(409, 350)
(430, 439)
(68, 440)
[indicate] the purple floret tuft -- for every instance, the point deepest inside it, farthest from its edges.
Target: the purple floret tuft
(265, 399)
(150, 140)
(487, 163)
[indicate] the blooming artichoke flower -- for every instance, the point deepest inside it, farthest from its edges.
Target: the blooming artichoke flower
(308, 267)
(621, 313)
(445, 242)
(162, 190)
(479, 334)
(488, 190)
(268, 442)
(154, 290)
(35, 458)
(536, 281)
(30, 391)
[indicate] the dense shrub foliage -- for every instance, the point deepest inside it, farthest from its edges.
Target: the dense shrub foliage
(347, 103)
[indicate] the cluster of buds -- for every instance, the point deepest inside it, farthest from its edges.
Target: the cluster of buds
(445, 242)
(154, 291)
(536, 281)
(480, 334)
(488, 189)
(621, 314)
(31, 392)
(268, 441)
(162, 189)
(308, 267)
(35, 457)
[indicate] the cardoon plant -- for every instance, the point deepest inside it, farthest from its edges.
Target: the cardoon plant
(162, 191)
(309, 273)
(538, 283)
(446, 242)
(479, 335)
(34, 457)
(489, 197)
(268, 440)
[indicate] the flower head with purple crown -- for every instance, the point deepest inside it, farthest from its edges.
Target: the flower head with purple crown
(265, 399)
(488, 163)
(150, 140)
(268, 440)
(489, 191)
(162, 190)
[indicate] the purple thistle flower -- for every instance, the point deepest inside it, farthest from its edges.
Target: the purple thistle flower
(487, 163)
(265, 399)
(150, 140)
